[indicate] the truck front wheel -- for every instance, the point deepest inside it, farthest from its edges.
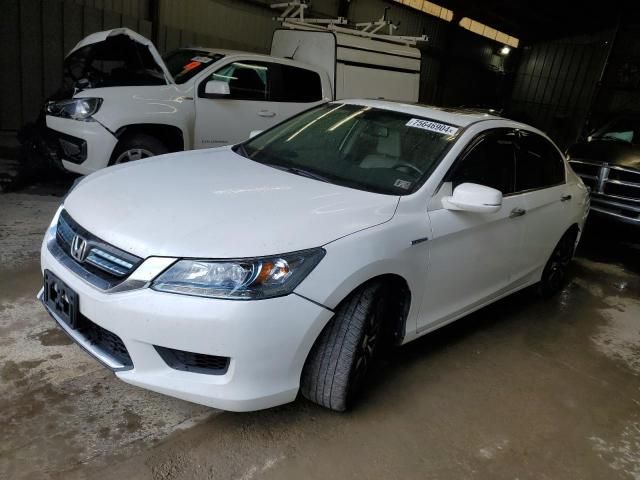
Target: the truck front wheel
(137, 147)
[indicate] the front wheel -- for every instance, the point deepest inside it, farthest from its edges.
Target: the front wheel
(555, 271)
(341, 358)
(137, 147)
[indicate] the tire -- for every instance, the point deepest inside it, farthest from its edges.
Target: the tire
(343, 354)
(137, 147)
(554, 274)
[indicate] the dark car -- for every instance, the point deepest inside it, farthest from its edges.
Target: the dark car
(609, 164)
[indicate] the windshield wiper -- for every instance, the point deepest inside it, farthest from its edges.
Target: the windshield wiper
(303, 173)
(298, 171)
(241, 150)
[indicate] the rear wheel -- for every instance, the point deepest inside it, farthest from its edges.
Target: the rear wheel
(137, 147)
(555, 271)
(342, 357)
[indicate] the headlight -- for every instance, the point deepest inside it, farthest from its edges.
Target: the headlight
(76, 109)
(243, 279)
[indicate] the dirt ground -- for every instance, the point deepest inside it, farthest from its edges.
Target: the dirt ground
(523, 389)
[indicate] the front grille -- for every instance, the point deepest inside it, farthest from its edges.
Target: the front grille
(193, 362)
(104, 340)
(605, 179)
(622, 190)
(624, 175)
(101, 264)
(585, 168)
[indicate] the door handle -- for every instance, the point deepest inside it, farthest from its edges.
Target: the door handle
(565, 198)
(266, 113)
(517, 212)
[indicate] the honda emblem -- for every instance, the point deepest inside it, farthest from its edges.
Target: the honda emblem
(79, 248)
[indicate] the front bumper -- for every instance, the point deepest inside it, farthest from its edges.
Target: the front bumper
(81, 147)
(267, 341)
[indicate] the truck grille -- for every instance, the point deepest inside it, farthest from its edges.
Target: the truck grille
(614, 190)
(100, 263)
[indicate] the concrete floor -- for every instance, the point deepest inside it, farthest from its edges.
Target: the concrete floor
(525, 389)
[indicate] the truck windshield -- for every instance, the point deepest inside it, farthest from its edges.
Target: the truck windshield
(356, 146)
(620, 130)
(185, 63)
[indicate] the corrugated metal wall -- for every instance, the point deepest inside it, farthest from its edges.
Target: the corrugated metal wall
(219, 23)
(620, 89)
(35, 35)
(555, 84)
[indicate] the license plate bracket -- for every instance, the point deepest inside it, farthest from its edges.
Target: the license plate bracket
(61, 300)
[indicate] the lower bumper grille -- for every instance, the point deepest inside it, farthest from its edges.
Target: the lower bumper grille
(104, 340)
(194, 362)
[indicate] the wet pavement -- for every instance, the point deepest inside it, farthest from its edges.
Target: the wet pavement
(526, 388)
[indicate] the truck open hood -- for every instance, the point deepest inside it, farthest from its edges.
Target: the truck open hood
(218, 204)
(118, 57)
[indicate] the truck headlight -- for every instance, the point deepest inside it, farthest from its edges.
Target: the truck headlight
(76, 108)
(242, 279)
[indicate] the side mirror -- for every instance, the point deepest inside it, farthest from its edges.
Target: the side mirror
(471, 197)
(216, 87)
(255, 132)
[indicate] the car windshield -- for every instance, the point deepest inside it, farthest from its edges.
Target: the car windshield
(185, 63)
(356, 146)
(621, 130)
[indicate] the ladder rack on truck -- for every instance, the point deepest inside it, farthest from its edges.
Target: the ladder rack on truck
(361, 62)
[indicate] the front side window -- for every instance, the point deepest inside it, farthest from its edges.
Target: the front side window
(490, 162)
(355, 146)
(539, 164)
(247, 80)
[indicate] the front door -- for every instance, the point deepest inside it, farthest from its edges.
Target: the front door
(471, 254)
(223, 120)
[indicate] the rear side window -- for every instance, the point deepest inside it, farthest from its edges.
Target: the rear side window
(298, 85)
(490, 162)
(538, 163)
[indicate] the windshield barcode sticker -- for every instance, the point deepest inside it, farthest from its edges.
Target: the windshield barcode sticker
(404, 184)
(432, 126)
(201, 59)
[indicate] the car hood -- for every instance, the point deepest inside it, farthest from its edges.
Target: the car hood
(218, 204)
(99, 44)
(611, 152)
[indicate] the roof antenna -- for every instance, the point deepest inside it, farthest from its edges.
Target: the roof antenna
(294, 52)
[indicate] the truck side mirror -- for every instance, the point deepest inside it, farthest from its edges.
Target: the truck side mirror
(216, 87)
(471, 197)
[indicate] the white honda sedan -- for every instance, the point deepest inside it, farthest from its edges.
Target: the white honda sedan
(237, 277)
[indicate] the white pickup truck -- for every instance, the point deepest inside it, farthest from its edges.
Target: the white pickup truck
(126, 102)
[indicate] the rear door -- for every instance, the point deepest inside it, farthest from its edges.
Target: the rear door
(541, 182)
(296, 89)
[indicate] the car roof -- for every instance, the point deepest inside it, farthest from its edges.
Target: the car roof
(455, 116)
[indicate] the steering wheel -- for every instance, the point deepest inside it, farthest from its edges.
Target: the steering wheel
(408, 169)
